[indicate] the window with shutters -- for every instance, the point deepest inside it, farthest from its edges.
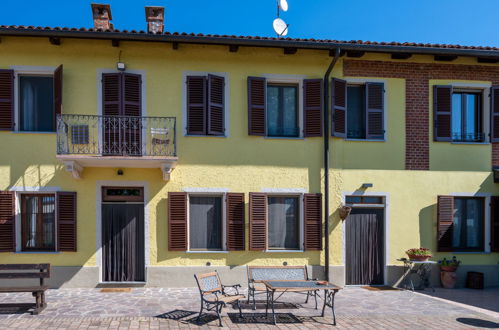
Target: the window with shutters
(205, 97)
(206, 222)
(467, 116)
(38, 227)
(365, 111)
(284, 229)
(282, 110)
(468, 224)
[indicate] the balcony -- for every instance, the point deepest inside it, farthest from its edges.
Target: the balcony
(116, 141)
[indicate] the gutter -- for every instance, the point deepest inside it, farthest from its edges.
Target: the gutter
(326, 157)
(246, 41)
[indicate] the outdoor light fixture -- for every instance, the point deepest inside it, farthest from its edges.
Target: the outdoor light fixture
(119, 172)
(367, 185)
(120, 66)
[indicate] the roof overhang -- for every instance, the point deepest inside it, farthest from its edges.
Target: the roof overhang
(482, 52)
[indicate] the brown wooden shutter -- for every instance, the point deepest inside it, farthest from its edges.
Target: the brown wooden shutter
(312, 107)
(196, 105)
(494, 113)
(445, 211)
(7, 222)
(177, 221)
(66, 221)
(494, 224)
(312, 204)
(442, 113)
(216, 105)
(132, 95)
(6, 100)
(57, 93)
(339, 107)
(375, 105)
(111, 94)
(235, 222)
(257, 104)
(258, 221)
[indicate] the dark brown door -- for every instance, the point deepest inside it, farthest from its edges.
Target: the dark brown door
(122, 110)
(364, 246)
(123, 242)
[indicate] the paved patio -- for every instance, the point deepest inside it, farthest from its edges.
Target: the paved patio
(166, 308)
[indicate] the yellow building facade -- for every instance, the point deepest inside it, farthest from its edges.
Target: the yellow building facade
(33, 163)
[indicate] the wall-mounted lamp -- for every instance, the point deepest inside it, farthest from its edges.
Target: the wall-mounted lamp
(285, 263)
(119, 172)
(367, 185)
(120, 66)
(208, 264)
(344, 212)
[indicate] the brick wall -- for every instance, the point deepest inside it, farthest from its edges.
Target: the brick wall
(417, 119)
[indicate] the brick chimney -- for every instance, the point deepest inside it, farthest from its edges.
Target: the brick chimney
(102, 16)
(155, 17)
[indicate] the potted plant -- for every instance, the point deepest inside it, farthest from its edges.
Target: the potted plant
(448, 275)
(419, 254)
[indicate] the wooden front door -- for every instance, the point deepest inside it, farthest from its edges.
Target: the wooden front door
(122, 114)
(364, 246)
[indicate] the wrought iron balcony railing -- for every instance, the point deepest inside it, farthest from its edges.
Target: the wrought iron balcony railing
(115, 135)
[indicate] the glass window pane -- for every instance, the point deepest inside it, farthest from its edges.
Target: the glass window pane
(205, 223)
(284, 226)
(373, 200)
(36, 103)
(356, 112)
(282, 119)
(38, 225)
(457, 116)
(467, 231)
(31, 214)
(48, 221)
(353, 199)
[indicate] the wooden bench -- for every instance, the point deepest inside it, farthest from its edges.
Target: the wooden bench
(258, 274)
(27, 271)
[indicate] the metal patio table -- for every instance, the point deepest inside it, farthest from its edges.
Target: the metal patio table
(422, 269)
(300, 286)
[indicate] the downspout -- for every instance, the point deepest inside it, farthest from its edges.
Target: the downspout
(326, 157)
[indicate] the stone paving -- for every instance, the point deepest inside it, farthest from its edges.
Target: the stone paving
(165, 308)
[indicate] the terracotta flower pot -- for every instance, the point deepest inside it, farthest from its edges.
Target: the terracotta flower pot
(419, 258)
(448, 268)
(448, 279)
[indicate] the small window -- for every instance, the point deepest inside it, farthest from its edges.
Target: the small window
(467, 230)
(38, 222)
(282, 110)
(356, 112)
(205, 223)
(364, 200)
(36, 103)
(283, 223)
(467, 117)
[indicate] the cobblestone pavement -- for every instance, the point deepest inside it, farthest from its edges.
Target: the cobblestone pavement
(165, 308)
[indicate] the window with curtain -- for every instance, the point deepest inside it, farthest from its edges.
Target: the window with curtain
(205, 223)
(282, 110)
(36, 103)
(467, 117)
(356, 112)
(468, 225)
(283, 223)
(38, 222)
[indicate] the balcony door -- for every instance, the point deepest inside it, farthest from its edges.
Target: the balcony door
(122, 114)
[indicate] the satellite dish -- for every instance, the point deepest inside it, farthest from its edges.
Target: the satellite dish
(284, 5)
(280, 27)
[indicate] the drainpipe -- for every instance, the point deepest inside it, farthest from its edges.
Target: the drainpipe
(326, 157)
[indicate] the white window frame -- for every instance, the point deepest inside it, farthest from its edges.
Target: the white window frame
(18, 191)
(301, 216)
(487, 239)
(288, 79)
(225, 75)
(208, 193)
(24, 70)
(485, 90)
(363, 81)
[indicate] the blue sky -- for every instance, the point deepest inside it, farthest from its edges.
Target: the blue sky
(437, 21)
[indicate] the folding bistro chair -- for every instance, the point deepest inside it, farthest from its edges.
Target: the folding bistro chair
(213, 294)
